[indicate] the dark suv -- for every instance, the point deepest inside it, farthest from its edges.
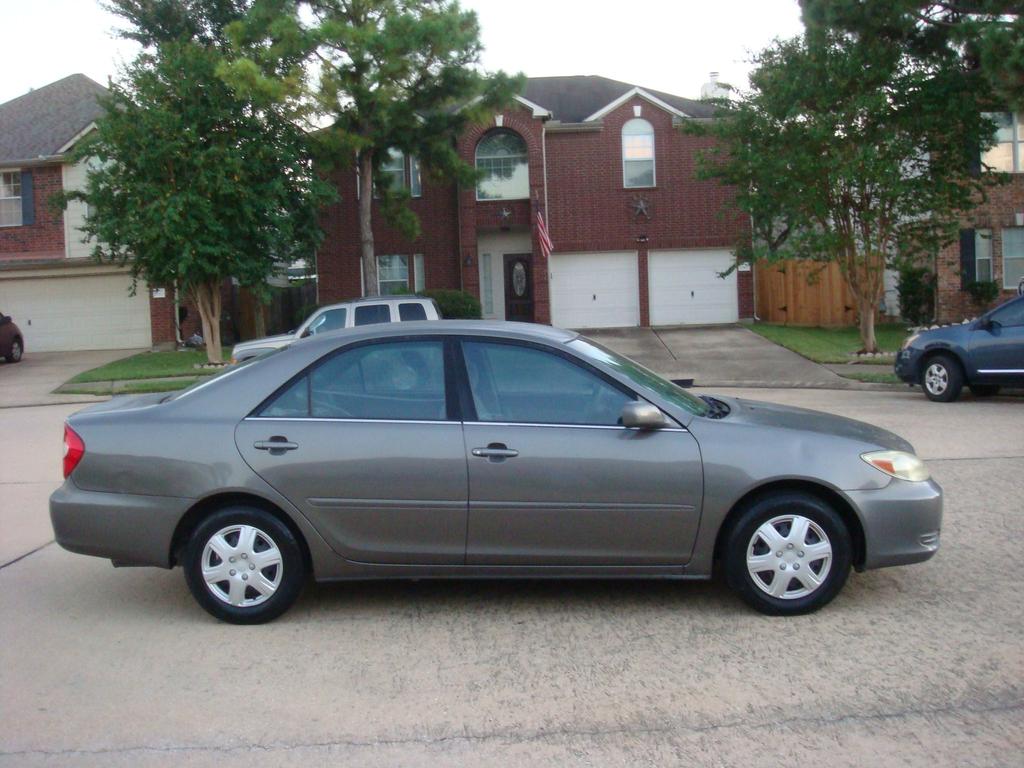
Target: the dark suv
(11, 342)
(984, 354)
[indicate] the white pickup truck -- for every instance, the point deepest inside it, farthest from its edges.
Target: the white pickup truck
(348, 314)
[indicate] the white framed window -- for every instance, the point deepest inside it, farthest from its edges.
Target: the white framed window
(1013, 257)
(415, 178)
(1006, 155)
(502, 160)
(637, 154)
(392, 275)
(393, 169)
(10, 199)
(983, 255)
(419, 275)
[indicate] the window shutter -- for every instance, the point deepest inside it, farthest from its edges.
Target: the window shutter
(968, 271)
(28, 200)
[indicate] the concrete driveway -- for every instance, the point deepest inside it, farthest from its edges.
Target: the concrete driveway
(719, 356)
(917, 666)
(32, 381)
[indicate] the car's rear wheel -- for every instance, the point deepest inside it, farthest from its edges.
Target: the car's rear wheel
(787, 553)
(984, 390)
(14, 356)
(243, 565)
(942, 379)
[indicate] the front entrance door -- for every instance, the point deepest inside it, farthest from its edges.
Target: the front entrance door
(518, 287)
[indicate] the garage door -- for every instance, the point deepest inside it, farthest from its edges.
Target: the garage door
(685, 287)
(594, 290)
(62, 313)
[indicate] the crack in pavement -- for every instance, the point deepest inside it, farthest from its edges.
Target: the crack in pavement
(19, 558)
(1011, 704)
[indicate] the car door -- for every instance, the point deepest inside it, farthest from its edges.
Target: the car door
(365, 444)
(997, 351)
(554, 479)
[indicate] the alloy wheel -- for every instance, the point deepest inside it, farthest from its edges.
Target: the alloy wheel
(789, 557)
(936, 378)
(16, 351)
(242, 566)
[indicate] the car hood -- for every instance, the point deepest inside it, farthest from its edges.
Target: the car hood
(760, 413)
(267, 341)
(952, 334)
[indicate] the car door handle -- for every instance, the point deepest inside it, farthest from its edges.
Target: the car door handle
(495, 451)
(275, 444)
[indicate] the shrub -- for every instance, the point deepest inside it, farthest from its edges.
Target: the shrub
(455, 305)
(916, 288)
(984, 292)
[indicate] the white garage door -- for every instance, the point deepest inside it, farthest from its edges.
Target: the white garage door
(62, 313)
(594, 290)
(685, 287)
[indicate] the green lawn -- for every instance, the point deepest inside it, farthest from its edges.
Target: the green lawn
(829, 345)
(128, 387)
(149, 365)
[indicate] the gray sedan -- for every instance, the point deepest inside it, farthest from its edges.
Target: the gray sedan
(470, 449)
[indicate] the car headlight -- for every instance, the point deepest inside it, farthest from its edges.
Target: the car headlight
(905, 466)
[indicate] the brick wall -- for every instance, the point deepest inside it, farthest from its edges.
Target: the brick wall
(45, 238)
(338, 257)
(952, 303)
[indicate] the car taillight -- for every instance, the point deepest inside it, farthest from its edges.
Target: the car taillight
(74, 450)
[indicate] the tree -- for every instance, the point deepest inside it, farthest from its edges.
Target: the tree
(848, 152)
(982, 38)
(384, 75)
(189, 183)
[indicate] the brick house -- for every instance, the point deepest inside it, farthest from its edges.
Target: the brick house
(59, 296)
(638, 239)
(991, 244)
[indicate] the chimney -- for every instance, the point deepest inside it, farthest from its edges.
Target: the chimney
(714, 89)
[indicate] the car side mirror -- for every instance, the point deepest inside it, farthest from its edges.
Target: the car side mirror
(639, 415)
(988, 324)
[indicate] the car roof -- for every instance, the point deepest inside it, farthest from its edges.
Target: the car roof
(522, 331)
(379, 300)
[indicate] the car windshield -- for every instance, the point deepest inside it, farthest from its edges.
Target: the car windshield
(641, 376)
(226, 371)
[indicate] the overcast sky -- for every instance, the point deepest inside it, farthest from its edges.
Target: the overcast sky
(668, 45)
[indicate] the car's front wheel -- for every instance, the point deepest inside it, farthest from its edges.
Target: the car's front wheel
(243, 565)
(942, 379)
(14, 356)
(787, 553)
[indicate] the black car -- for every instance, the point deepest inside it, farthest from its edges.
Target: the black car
(12, 343)
(985, 354)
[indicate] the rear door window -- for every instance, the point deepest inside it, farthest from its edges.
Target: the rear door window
(410, 310)
(371, 314)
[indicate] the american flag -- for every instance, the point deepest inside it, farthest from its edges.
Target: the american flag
(546, 246)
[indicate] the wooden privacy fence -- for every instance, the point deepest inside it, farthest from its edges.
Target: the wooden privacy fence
(803, 293)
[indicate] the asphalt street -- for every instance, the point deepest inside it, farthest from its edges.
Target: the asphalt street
(916, 666)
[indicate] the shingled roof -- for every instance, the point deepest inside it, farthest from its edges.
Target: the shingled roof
(42, 121)
(574, 98)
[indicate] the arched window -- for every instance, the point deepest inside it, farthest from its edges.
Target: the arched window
(501, 159)
(637, 154)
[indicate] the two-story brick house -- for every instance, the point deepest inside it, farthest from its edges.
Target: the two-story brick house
(991, 244)
(638, 239)
(60, 297)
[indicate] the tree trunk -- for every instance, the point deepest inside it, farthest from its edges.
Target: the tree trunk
(206, 297)
(366, 222)
(866, 310)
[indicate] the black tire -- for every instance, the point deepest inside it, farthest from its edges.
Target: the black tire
(14, 356)
(741, 535)
(984, 390)
(948, 381)
(293, 569)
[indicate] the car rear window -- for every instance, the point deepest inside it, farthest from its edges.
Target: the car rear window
(371, 314)
(411, 311)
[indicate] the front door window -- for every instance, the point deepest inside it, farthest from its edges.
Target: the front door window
(518, 288)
